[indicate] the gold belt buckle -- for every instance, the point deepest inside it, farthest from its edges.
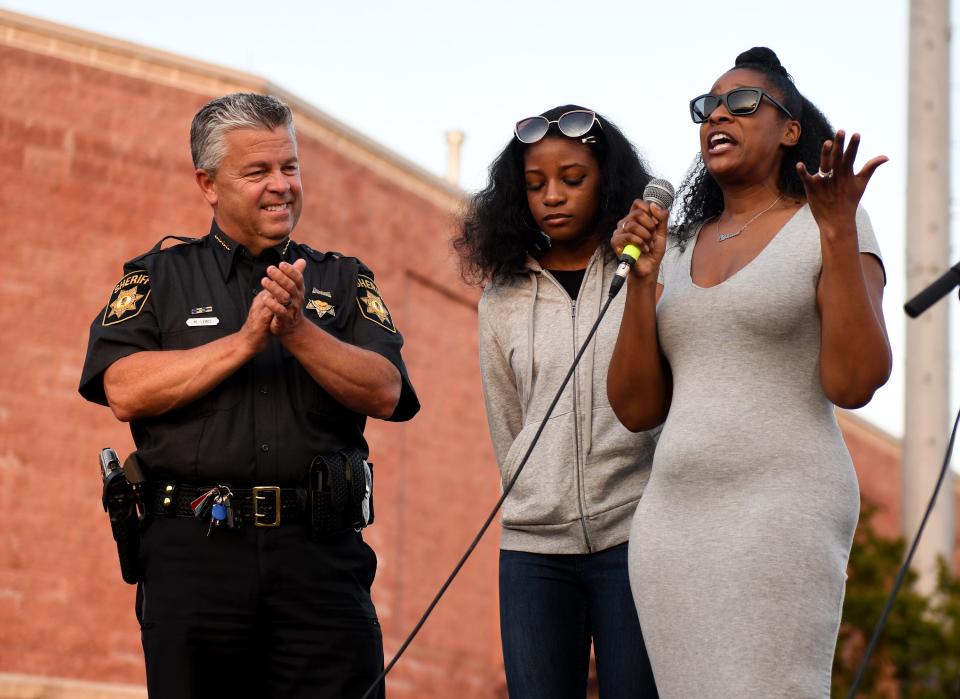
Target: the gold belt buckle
(262, 492)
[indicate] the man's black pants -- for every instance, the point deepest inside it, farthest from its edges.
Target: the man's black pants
(256, 612)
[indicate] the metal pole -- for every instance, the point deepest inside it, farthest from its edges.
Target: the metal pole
(454, 144)
(927, 256)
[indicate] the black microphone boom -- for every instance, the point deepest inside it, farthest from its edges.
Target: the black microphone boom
(659, 192)
(947, 282)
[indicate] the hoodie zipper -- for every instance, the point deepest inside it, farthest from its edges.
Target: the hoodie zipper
(577, 421)
(578, 439)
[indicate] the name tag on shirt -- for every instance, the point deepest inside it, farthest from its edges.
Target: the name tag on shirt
(202, 321)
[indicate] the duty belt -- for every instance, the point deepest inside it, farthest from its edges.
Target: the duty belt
(261, 506)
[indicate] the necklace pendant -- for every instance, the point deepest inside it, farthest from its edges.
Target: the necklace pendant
(727, 236)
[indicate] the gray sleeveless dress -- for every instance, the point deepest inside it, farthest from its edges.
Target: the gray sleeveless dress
(739, 546)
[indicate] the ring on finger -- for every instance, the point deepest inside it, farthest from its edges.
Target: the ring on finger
(287, 302)
(824, 175)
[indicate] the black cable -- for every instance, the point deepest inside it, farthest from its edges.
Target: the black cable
(905, 567)
(496, 508)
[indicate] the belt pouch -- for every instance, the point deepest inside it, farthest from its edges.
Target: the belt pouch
(327, 494)
(340, 493)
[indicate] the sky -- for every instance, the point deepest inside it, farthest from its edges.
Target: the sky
(405, 73)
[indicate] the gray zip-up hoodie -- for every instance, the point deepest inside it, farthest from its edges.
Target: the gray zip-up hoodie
(578, 492)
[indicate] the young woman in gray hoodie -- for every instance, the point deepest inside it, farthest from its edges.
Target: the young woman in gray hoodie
(538, 238)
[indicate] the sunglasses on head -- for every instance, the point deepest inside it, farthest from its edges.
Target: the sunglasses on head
(739, 102)
(573, 124)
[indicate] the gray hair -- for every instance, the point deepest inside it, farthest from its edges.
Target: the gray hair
(240, 110)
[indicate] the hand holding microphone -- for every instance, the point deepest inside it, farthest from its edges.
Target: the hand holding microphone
(641, 236)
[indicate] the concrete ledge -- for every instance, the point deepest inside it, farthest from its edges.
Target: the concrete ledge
(35, 687)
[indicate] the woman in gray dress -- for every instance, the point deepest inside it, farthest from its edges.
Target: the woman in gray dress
(741, 333)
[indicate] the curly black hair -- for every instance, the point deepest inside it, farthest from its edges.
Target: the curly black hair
(498, 231)
(700, 197)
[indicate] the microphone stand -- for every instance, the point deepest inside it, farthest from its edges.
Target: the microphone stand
(942, 286)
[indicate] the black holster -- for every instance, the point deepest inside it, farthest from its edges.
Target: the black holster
(341, 493)
(120, 502)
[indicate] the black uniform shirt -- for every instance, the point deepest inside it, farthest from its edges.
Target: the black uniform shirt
(264, 424)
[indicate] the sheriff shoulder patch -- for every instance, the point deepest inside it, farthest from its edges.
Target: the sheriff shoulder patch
(128, 298)
(371, 303)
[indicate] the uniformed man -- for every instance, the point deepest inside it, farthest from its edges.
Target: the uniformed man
(246, 364)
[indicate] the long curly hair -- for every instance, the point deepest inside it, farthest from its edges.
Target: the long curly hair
(700, 197)
(498, 231)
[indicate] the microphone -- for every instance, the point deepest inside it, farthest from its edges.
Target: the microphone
(659, 192)
(947, 282)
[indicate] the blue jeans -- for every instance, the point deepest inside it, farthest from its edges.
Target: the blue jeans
(551, 606)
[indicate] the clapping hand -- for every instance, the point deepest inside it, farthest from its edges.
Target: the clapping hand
(284, 284)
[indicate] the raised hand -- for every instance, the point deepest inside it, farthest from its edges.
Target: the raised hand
(645, 226)
(834, 192)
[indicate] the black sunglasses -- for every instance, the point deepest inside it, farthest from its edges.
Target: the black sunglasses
(740, 101)
(572, 124)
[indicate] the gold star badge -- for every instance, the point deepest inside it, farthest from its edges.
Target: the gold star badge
(127, 301)
(371, 303)
(128, 298)
(375, 306)
(321, 307)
